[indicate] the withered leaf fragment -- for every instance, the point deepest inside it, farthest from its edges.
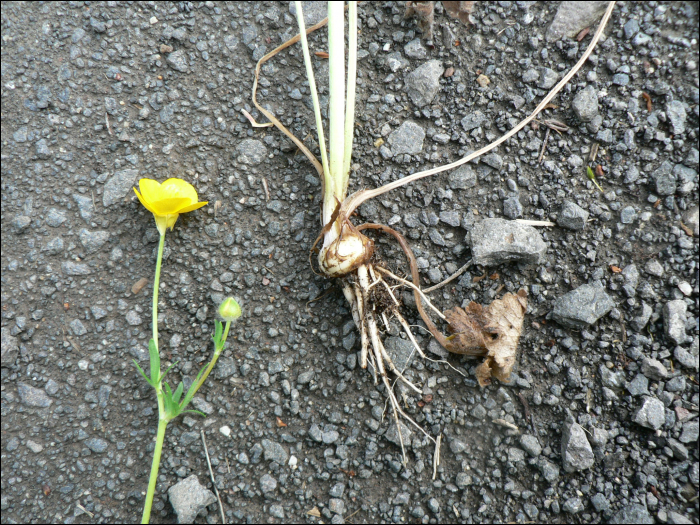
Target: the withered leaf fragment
(492, 331)
(424, 13)
(460, 10)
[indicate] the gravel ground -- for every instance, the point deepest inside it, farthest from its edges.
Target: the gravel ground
(605, 394)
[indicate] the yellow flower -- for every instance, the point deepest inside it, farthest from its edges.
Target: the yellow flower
(168, 200)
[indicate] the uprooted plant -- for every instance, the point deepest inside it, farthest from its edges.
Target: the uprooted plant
(345, 253)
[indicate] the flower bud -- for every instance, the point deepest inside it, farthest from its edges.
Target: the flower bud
(229, 309)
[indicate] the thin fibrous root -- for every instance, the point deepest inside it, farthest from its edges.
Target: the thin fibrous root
(407, 329)
(411, 285)
(392, 367)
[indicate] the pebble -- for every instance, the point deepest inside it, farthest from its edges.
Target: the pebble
(401, 351)
(585, 104)
(10, 348)
(55, 218)
(93, 241)
(572, 17)
(423, 83)
(32, 397)
(498, 241)
(267, 484)
(674, 313)
(633, 513)
(654, 369)
(251, 152)
(97, 445)
(188, 497)
(583, 306)
(462, 178)
(651, 414)
(77, 327)
(575, 449)
(675, 111)
(548, 78)
(119, 186)
(415, 49)
(407, 139)
(572, 216)
(512, 208)
(665, 181)
(654, 267)
(690, 432)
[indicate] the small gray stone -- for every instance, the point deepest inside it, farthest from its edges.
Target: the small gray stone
(72, 268)
(631, 28)
(548, 77)
(423, 83)
(654, 267)
(277, 511)
(512, 207)
(676, 116)
(314, 12)
(572, 216)
(33, 397)
(685, 358)
(576, 451)
(583, 306)
(330, 436)
(599, 437)
(639, 322)
(633, 514)
(97, 445)
(21, 222)
(473, 120)
(393, 435)
(267, 483)
(305, 377)
(610, 379)
(530, 445)
(457, 446)
(585, 104)
(679, 450)
(664, 179)
(654, 369)
(55, 218)
(453, 218)
(34, 446)
(407, 138)
(42, 149)
(336, 505)
(574, 16)
(600, 502)
(77, 327)
(462, 178)
(498, 241)
(133, 318)
(651, 414)
(93, 241)
(178, 60)
(689, 434)
(674, 320)
(85, 207)
(401, 352)
(678, 518)
(628, 215)
(621, 79)
(10, 348)
(251, 152)
(638, 386)
(119, 186)
(188, 497)
(548, 469)
(573, 506)
(414, 49)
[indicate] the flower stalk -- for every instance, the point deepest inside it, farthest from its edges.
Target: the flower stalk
(167, 202)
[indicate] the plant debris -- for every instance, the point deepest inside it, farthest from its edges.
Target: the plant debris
(492, 332)
(424, 13)
(460, 10)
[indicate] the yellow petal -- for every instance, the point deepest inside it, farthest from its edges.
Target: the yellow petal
(144, 202)
(169, 206)
(179, 188)
(150, 190)
(195, 206)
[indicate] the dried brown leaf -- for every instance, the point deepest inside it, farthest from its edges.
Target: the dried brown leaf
(492, 331)
(138, 285)
(460, 10)
(424, 13)
(314, 512)
(687, 230)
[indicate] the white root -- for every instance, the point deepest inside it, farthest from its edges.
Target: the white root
(411, 285)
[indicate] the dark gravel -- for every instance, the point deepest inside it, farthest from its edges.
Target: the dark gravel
(605, 392)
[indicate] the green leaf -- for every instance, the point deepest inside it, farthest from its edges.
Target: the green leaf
(218, 331)
(155, 362)
(143, 374)
(168, 370)
(194, 412)
(178, 393)
(172, 408)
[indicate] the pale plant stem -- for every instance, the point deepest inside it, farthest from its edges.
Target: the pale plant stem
(336, 115)
(357, 198)
(312, 86)
(156, 284)
(350, 94)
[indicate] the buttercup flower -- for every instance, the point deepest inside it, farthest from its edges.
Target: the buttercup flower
(168, 200)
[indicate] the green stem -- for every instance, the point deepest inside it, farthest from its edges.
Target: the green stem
(160, 437)
(156, 285)
(217, 353)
